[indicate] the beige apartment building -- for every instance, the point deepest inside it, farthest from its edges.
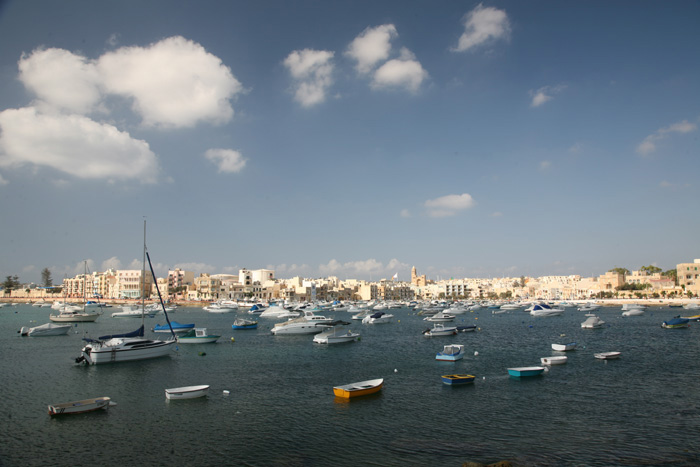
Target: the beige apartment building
(688, 275)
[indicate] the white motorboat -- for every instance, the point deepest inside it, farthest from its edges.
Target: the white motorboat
(544, 310)
(633, 312)
(592, 322)
(276, 311)
(187, 392)
(511, 306)
(440, 317)
(219, 308)
(363, 314)
(314, 318)
(451, 353)
(589, 307)
(378, 318)
(332, 336)
(440, 330)
(298, 326)
(48, 329)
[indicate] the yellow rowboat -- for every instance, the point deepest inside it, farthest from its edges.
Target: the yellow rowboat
(359, 389)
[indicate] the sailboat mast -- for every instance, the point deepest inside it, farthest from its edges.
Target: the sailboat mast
(143, 278)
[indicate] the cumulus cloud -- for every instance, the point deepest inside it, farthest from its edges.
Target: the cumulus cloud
(545, 94)
(61, 79)
(483, 24)
(227, 160)
(73, 144)
(371, 46)
(3, 181)
(312, 71)
(648, 145)
(405, 72)
(405, 213)
(544, 165)
(173, 83)
(111, 263)
(369, 266)
(196, 267)
(449, 205)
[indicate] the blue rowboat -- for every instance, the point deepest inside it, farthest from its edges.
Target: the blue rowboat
(177, 327)
(457, 380)
(675, 323)
(524, 371)
(244, 324)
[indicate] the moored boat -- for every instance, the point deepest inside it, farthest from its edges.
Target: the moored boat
(242, 323)
(592, 322)
(440, 330)
(332, 336)
(86, 405)
(564, 347)
(198, 336)
(176, 327)
(362, 388)
(607, 355)
(457, 379)
(555, 360)
(525, 371)
(187, 392)
(48, 329)
(676, 323)
(450, 353)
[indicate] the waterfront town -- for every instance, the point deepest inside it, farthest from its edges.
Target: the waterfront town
(261, 285)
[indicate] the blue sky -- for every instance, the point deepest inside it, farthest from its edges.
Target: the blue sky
(355, 139)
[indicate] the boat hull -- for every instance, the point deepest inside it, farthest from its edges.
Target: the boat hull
(362, 388)
(95, 354)
(525, 372)
(187, 392)
(607, 355)
(553, 360)
(457, 380)
(74, 317)
(87, 405)
(564, 347)
(198, 340)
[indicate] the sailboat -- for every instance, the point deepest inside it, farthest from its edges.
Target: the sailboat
(129, 346)
(68, 314)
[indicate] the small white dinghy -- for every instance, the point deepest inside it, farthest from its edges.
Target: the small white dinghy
(607, 355)
(556, 360)
(86, 405)
(187, 392)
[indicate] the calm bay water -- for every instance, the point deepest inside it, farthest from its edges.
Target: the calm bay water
(642, 409)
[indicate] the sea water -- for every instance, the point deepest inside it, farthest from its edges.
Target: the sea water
(271, 400)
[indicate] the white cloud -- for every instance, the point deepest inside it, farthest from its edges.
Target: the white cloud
(313, 73)
(111, 263)
(545, 94)
(227, 160)
(173, 83)
(449, 205)
(73, 144)
(544, 165)
(404, 72)
(576, 148)
(497, 214)
(371, 46)
(61, 79)
(196, 267)
(2, 180)
(405, 213)
(648, 145)
(481, 25)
